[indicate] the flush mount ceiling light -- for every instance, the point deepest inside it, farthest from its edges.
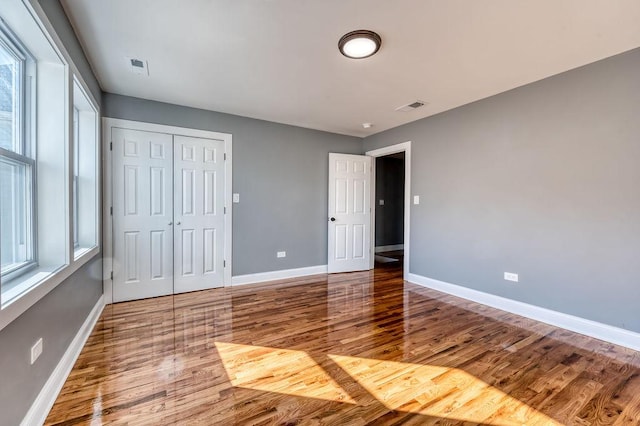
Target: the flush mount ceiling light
(359, 44)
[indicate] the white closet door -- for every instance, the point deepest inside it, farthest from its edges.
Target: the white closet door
(349, 233)
(198, 213)
(142, 214)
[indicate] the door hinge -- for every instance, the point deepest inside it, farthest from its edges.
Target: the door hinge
(110, 146)
(225, 156)
(225, 210)
(111, 210)
(112, 275)
(224, 263)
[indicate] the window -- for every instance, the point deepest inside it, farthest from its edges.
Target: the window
(49, 203)
(17, 167)
(85, 172)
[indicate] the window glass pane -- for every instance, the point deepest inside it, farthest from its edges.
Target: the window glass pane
(9, 105)
(76, 141)
(15, 213)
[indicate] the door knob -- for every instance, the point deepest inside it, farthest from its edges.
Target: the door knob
(333, 219)
(170, 223)
(177, 223)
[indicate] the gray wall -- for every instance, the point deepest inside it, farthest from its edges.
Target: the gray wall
(56, 318)
(59, 315)
(280, 173)
(390, 188)
(543, 181)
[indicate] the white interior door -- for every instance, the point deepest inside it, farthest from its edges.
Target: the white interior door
(198, 213)
(142, 214)
(349, 213)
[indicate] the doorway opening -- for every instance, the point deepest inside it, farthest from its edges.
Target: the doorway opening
(389, 211)
(390, 195)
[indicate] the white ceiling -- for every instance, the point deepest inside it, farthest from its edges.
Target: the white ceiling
(278, 60)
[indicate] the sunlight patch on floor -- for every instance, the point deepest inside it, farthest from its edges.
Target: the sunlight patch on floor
(439, 391)
(279, 370)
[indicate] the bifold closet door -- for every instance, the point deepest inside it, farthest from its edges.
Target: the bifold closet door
(198, 213)
(142, 214)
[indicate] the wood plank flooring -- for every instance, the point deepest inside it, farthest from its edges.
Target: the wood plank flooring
(347, 349)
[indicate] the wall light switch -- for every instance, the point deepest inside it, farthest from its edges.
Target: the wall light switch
(416, 199)
(281, 254)
(510, 276)
(381, 202)
(236, 198)
(36, 350)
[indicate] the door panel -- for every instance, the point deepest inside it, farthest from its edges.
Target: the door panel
(142, 214)
(199, 213)
(158, 263)
(188, 260)
(350, 207)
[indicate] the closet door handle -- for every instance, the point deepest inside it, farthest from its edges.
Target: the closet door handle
(170, 223)
(177, 223)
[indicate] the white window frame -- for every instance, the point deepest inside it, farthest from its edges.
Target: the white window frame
(15, 270)
(57, 260)
(22, 152)
(85, 171)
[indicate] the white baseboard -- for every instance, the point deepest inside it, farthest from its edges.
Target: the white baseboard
(278, 275)
(40, 408)
(608, 333)
(394, 247)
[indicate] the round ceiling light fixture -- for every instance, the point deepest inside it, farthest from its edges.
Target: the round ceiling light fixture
(359, 44)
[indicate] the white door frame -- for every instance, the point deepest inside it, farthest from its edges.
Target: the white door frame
(107, 195)
(394, 149)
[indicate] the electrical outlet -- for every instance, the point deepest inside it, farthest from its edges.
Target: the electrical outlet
(36, 350)
(416, 199)
(509, 276)
(382, 202)
(281, 254)
(236, 198)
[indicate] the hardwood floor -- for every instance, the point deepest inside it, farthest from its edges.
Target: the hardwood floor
(348, 349)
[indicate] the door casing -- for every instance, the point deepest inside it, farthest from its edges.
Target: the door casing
(393, 149)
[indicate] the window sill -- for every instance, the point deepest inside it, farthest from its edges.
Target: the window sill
(79, 252)
(25, 291)
(15, 288)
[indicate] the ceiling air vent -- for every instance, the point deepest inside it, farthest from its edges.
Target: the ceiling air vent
(138, 66)
(411, 106)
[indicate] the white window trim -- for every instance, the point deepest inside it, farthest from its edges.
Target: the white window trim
(53, 278)
(87, 104)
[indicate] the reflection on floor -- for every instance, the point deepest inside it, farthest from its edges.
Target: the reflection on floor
(345, 349)
(389, 257)
(384, 259)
